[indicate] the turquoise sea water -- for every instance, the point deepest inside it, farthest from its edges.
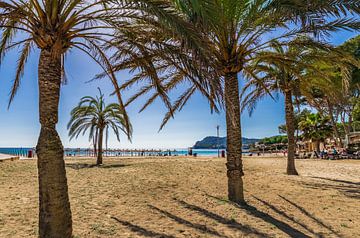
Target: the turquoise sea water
(17, 151)
(86, 152)
(145, 152)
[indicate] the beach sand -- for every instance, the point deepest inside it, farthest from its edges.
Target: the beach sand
(186, 197)
(4, 157)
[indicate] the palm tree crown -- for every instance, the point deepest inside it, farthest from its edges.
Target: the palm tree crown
(93, 115)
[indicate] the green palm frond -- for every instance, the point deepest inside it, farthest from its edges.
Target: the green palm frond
(20, 69)
(87, 26)
(92, 114)
(295, 66)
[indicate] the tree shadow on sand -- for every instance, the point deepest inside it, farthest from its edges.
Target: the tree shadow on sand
(202, 228)
(79, 166)
(340, 181)
(230, 223)
(312, 217)
(141, 230)
(284, 227)
(348, 188)
(285, 215)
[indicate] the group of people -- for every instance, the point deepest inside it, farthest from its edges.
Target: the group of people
(334, 153)
(329, 154)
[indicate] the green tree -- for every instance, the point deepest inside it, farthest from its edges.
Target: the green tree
(93, 115)
(299, 115)
(273, 140)
(54, 27)
(316, 128)
(337, 95)
(285, 76)
(352, 47)
(235, 32)
(356, 112)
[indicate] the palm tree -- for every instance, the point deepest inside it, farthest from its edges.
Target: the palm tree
(235, 31)
(279, 76)
(94, 115)
(316, 128)
(328, 98)
(282, 76)
(292, 74)
(55, 27)
(335, 97)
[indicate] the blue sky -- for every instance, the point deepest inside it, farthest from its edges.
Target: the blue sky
(19, 126)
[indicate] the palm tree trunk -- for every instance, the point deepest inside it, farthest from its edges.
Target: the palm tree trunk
(100, 147)
(95, 139)
(290, 128)
(54, 208)
(234, 143)
(343, 121)
(334, 124)
(350, 128)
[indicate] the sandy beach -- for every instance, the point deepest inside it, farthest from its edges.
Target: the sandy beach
(4, 157)
(186, 197)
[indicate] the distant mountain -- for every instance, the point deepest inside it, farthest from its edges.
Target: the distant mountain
(213, 142)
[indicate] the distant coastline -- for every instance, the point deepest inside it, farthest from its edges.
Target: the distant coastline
(213, 142)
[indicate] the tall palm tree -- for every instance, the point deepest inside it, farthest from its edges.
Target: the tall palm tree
(94, 115)
(328, 98)
(334, 97)
(294, 71)
(282, 76)
(235, 31)
(55, 27)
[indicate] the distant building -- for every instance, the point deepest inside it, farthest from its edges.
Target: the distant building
(353, 138)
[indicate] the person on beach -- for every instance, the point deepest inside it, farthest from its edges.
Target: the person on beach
(323, 153)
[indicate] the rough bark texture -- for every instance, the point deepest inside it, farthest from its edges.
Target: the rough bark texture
(100, 147)
(54, 208)
(350, 123)
(95, 143)
(334, 124)
(234, 143)
(290, 128)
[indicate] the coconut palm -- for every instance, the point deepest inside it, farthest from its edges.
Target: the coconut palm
(235, 31)
(93, 115)
(54, 27)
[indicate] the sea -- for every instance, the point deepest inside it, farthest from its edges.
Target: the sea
(25, 152)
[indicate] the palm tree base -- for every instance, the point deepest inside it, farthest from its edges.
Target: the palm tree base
(99, 161)
(292, 172)
(235, 188)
